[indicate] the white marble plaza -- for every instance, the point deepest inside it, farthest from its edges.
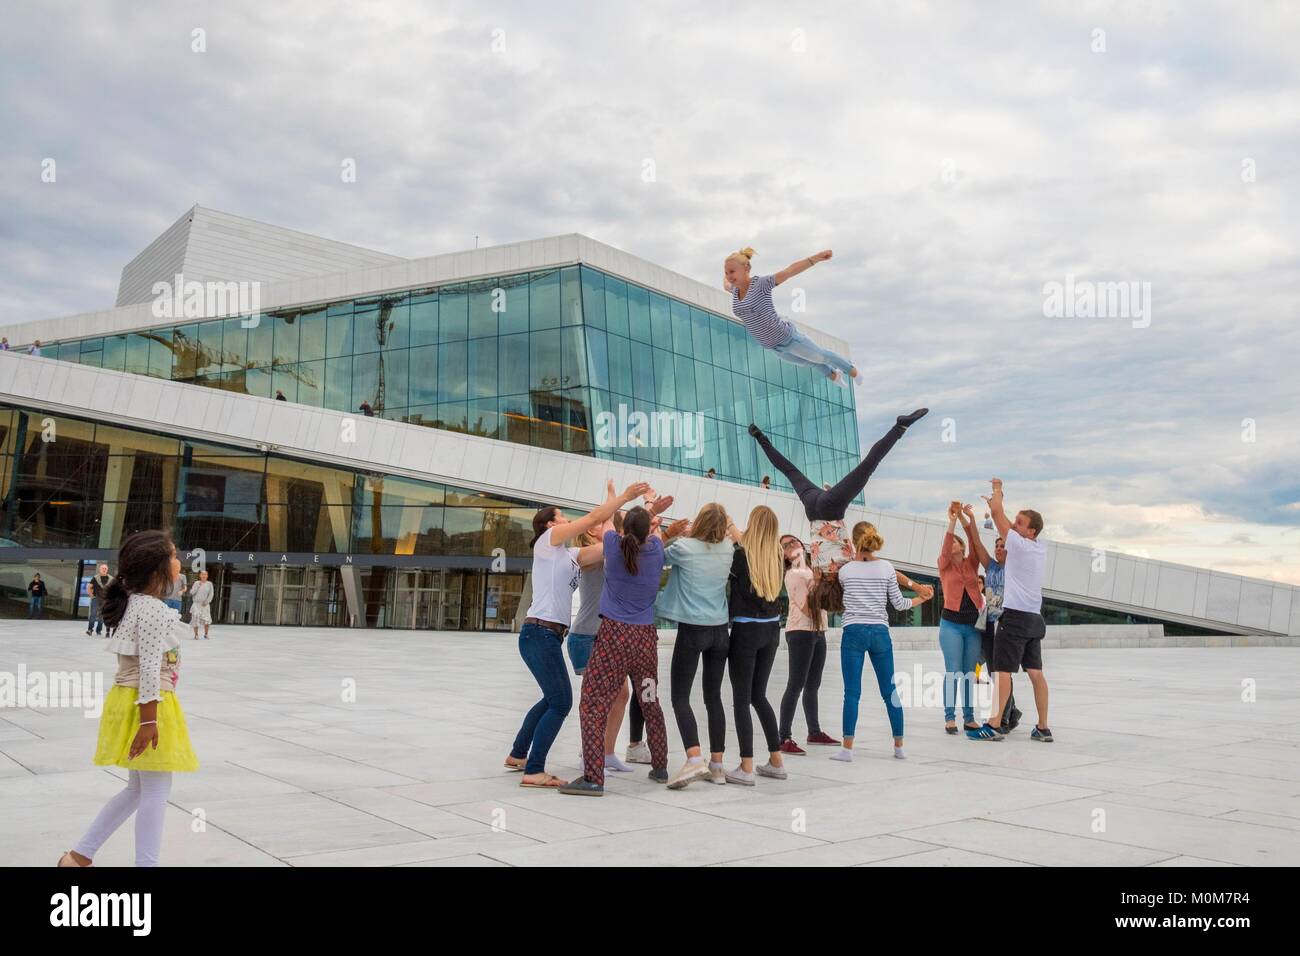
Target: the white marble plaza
(1158, 762)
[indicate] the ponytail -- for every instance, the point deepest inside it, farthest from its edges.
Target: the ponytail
(115, 598)
(636, 529)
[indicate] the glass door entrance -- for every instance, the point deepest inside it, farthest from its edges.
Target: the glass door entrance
(297, 595)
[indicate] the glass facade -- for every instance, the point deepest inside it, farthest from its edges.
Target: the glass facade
(561, 359)
(276, 533)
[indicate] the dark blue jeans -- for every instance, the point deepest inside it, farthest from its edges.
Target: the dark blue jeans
(34, 609)
(540, 649)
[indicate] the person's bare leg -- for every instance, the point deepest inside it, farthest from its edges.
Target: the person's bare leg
(1001, 680)
(747, 764)
(774, 758)
(615, 721)
(847, 743)
(1040, 697)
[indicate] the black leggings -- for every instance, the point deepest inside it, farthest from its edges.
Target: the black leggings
(753, 651)
(807, 658)
(693, 642)
(818, 503)
(635, 719)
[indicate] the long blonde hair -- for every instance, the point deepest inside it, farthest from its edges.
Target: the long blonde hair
(762, 544)
(741, 255)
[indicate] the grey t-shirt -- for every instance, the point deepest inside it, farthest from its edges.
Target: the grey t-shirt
(590, 584)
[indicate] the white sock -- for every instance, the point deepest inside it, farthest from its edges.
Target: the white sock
(898, 752)
(613, 763)
(715, 765)
(842, 754)
(699, 759)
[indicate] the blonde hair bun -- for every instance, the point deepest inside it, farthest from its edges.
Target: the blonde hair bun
(867, 538)
(742, 255)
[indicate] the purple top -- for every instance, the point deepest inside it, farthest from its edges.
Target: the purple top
(628, 598)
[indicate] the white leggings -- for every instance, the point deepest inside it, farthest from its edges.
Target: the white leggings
(146, 796)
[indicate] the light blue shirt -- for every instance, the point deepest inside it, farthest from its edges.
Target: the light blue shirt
(696, 592)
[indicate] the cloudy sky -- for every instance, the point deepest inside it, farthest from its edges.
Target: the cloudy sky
(957, 161)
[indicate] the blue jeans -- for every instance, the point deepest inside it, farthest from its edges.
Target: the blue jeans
(95, 619)
(34, 609)
(540, 649)
(960, 644)
(858, 642)
(580, 650)
(802, 350)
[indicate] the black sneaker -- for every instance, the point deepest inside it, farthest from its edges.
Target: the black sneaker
(1045, 734)
(1014, 720)
(659, 776)
(582, 787)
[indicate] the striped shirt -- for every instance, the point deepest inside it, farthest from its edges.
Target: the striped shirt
(758, 313)
(868, 587)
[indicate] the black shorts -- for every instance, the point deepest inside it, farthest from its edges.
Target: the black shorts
(1018, 642)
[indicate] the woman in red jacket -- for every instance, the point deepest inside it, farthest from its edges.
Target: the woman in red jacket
(962, 599)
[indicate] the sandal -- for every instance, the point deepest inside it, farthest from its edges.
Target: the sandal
(68, 860)
(514, 767)
(548, 782)
(950, 728)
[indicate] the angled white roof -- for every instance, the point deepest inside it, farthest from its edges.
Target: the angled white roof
(206, 245)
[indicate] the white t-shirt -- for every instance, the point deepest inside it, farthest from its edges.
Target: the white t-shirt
(555, 578)
(868, 587)
(1026, 561)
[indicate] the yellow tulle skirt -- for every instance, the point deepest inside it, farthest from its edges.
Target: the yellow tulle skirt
(120, 722)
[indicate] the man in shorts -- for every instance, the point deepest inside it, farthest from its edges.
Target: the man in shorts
(1018, 641)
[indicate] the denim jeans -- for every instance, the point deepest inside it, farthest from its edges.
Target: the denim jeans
(34, 609)
(540, 649)
(95, 619)
(580, 650)
(857, 643)
(801, 350)
(960, 644)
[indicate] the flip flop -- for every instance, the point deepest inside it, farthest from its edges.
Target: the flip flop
(549, 782)
(515, 767)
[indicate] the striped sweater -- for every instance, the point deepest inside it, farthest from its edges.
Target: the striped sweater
(869, 586)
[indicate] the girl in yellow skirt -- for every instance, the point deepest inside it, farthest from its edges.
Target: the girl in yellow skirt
(142, 728)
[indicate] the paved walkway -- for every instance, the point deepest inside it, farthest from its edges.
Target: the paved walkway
(1158, 761)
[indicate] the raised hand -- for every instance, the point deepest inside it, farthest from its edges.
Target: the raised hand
(660, 504)
(635, 490)
(678, 528)
(821, 256)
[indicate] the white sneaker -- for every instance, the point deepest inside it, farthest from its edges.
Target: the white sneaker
(776, 773)
(716, 775)
(691, 771)
(640, 753)
(740, 778)
(843, 754)
(898, 754)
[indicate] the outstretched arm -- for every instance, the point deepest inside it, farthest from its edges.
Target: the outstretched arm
(945, 555)
(794, 268)
(562, 534)
(977, 549)
(1000, 518)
